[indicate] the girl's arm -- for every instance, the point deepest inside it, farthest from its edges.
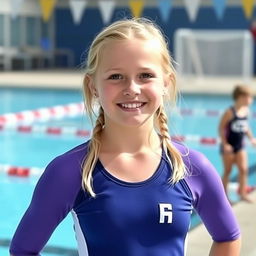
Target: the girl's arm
(250, 136)
(223, 124)
(227, 116)
(53, 198)
(211, 203)
(231, 248)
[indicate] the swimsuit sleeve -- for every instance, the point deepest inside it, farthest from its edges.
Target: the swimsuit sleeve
(209, 198)
(53, 198)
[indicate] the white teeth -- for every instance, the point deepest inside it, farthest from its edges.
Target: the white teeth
(131, 105)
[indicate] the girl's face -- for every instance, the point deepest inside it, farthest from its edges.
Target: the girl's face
(249, 100)
(130, 82)
(246, 100)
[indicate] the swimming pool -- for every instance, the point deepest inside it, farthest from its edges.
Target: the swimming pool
(200, 115)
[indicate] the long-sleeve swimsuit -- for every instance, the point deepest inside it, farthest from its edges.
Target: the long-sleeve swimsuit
(148, 218)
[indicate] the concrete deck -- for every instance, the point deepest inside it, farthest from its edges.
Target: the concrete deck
(199, 241)
(57, 79)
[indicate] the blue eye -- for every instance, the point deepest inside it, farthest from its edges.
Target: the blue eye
(115, 77)
(146, 75)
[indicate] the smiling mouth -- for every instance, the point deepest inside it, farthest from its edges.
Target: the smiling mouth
(131, 105)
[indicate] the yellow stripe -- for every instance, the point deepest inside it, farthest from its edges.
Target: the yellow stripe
(47, 7)
(136, 7)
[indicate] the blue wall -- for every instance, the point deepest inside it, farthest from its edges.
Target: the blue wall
(79, 37)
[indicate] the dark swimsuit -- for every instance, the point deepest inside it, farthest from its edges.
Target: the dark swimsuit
(235, 131)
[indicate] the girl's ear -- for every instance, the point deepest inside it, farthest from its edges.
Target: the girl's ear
(171, 80)
(169, 89)
(91, 85)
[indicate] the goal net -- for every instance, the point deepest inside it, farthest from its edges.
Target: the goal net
(214, 53)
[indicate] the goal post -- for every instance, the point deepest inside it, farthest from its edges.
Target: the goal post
(214, 53)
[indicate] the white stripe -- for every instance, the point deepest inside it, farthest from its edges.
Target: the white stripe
(186, 238)
(186, 245)
(81, 242)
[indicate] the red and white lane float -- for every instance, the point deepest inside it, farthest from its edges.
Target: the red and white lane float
(42, 114)
(49, 130)
(73, 131)
(204, 112)
(200, 112)
(197, 139)
(19, 171)
(77, 109)
(30, 129)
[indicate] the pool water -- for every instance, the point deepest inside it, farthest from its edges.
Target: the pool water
(19, 99)
(37, 149)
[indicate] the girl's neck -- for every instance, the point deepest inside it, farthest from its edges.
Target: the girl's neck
(129, 140)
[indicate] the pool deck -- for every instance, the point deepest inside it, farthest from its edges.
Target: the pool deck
(199, 241)
(72, 79)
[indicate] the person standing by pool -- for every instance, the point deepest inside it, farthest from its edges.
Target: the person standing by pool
(130, 188)
(233, 128)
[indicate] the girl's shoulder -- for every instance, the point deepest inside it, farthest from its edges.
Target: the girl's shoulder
(73, 156)
(66, 169)
(197, 164)
(208, 195)
(189, 155)
(229, 113)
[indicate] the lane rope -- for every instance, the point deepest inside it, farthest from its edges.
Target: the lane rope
(77, 109)
(49, 130)
(42, 114)
(30, 129)
(20, 171)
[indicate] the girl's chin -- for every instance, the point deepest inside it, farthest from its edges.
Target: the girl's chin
(135, 122)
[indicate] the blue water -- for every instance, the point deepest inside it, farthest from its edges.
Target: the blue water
(18, 99)
(38, 149)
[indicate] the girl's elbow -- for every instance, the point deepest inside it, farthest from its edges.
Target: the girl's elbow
(228, 248)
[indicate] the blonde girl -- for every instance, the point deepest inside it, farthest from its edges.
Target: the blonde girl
(130, 188)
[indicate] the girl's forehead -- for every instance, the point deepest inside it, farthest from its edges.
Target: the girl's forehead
(124, 44)
(129, 52)
(243, 96)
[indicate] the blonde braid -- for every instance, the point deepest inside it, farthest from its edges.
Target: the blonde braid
(93, 154)
(175, 159)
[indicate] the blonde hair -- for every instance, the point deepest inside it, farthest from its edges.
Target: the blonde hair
(140, 28)
(241, 90)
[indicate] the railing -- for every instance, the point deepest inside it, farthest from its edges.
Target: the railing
(29, 55)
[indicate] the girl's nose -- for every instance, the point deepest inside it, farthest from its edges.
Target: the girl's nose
(132, 89)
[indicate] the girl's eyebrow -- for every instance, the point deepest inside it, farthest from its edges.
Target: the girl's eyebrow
(147, 68)
(120, 69)
(113, 69)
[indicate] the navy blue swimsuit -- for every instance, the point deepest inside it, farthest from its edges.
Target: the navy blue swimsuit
(236, 130)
